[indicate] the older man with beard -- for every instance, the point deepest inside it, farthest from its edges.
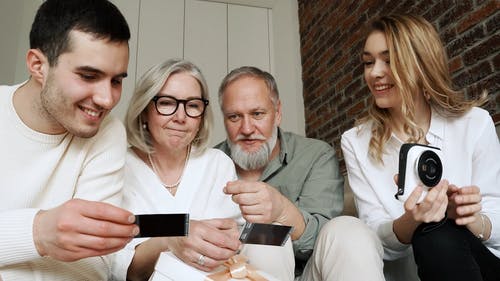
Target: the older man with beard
(291, 180)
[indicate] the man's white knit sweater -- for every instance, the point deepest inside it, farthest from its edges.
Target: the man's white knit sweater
(39, 171)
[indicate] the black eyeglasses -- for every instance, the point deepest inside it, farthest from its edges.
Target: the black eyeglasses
(167, 105)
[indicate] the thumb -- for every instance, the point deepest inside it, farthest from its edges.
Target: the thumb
(412, 200)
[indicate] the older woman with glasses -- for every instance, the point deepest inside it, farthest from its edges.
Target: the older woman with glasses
(170, 169)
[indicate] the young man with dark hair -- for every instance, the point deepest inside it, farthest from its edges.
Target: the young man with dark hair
(62, 157)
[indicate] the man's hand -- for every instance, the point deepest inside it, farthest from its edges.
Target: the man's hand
(259, 202)
(79, 229)
(215, 239)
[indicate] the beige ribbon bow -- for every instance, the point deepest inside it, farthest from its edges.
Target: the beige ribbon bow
(237, 268)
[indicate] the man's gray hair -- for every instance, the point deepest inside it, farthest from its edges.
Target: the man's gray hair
(250, 71)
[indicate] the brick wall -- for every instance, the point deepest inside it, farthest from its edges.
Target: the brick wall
(331, 34)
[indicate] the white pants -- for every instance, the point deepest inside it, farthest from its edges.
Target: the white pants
(345, 250)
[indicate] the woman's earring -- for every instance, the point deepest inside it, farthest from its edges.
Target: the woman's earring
(426, 95)
(145, 126)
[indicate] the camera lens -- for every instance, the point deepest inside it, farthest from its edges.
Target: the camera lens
(429, 168)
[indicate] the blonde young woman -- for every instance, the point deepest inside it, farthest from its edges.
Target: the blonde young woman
(170, 169)
(454, 233)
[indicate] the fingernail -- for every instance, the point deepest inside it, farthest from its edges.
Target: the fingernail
(135, 231)
(131, 219)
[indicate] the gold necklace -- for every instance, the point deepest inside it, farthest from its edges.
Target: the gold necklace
(170, 186)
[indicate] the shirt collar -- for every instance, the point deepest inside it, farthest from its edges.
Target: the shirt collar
(436, 128)
(279, 162)
(283, 155)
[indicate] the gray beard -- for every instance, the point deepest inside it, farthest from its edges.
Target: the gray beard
(253, 160)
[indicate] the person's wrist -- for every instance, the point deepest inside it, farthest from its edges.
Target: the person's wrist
(168, 243)
(482, 227)
(283, 206)
(36, 234)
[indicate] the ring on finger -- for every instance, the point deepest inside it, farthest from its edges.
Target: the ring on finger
(201, 260)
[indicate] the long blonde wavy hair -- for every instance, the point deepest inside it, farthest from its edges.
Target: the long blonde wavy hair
(419, 65)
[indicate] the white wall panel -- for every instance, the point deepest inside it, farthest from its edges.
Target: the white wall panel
(248, 37)
(206, 46)
(286, 63)
(160, 32)
(15, 24)
(10, 13)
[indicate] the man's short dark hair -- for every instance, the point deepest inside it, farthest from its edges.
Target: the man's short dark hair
(56, 18)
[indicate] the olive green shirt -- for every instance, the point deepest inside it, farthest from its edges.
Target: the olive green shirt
(307, 173)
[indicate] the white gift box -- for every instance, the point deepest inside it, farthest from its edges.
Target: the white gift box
(170, 268)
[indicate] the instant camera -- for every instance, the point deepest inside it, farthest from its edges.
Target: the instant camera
(418, 165)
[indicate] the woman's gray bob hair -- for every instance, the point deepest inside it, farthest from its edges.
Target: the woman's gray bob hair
(148, 86)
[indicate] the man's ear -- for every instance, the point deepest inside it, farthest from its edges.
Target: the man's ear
(37, 64)
(278, 113)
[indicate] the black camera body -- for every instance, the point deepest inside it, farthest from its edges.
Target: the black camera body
(418, 164)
